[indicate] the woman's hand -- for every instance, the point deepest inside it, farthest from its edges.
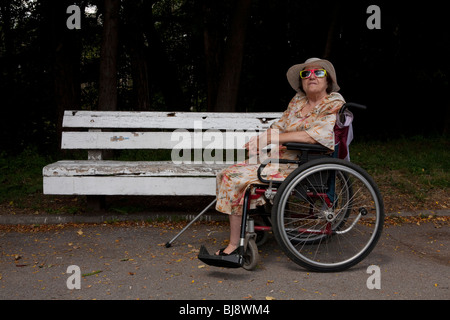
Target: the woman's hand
(252, 146)
(256, 143)
(273, 136)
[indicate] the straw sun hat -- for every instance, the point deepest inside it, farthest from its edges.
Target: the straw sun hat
(293, 74)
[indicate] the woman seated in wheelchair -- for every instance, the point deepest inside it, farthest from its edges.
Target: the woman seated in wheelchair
(309, 118)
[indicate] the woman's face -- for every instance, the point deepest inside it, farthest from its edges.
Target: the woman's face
(314, 85)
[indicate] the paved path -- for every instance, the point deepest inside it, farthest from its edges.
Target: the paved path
(131, 262)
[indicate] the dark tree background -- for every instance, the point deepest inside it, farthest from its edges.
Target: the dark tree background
(218, 55)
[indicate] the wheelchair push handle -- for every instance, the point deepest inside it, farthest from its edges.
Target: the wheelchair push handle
(352, 105)
(348, 105)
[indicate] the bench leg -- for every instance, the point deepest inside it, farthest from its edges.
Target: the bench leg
(96, 203)
(168, 244)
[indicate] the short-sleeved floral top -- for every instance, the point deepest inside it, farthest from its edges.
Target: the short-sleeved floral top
(319, 123)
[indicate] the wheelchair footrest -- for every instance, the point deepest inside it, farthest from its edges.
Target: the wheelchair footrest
(229, 261)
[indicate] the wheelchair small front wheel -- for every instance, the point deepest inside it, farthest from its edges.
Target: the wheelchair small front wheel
(328, 215)
(251, 255)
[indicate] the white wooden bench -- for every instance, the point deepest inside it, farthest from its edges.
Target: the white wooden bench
(188, 175)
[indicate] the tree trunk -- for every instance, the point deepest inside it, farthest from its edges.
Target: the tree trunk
(228, 87)
(108, 59)
(161, 68)
(140, 74)
(446, 130)
(213, 50)
(135, 15)
(331, 32)
(66, 52)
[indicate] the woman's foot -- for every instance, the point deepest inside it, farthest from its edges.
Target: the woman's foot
(227, 251)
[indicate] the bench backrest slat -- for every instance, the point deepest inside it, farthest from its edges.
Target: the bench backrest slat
(169, 120)
(98, 130)
(182, 139)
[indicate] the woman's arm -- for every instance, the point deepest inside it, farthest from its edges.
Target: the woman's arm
(295, 136)
(273, 136)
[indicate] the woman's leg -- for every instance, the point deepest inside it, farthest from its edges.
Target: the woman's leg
(235, 234)
(231, 186)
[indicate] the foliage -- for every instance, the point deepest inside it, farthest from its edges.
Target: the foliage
(163, 61)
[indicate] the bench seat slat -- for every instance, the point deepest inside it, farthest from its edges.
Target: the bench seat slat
(83, 168)
(134, 186)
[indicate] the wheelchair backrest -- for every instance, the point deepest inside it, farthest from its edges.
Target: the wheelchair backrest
(343, 133)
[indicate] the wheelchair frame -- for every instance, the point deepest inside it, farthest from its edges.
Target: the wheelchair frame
(306, 214)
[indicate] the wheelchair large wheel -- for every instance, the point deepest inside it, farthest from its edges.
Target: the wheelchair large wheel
(328, 215)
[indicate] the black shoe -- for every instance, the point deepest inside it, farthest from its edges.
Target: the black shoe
(232, 260)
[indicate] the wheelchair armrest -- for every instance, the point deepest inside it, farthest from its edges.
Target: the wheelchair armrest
(266, 162)
(307, 147)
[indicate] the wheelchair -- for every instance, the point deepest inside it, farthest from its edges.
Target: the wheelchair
(326, 216)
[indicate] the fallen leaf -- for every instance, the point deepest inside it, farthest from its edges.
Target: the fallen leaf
(91, 273)
(270, 298)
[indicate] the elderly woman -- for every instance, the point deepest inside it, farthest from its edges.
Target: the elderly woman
(309, 118)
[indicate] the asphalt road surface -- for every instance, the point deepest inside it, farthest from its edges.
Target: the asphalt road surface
(131, 262)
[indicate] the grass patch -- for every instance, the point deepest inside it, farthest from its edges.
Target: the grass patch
(21, 176)
(425, 159)
(414, 172)
(21, 186)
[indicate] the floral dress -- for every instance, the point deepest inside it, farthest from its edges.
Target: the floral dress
(233, 181)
